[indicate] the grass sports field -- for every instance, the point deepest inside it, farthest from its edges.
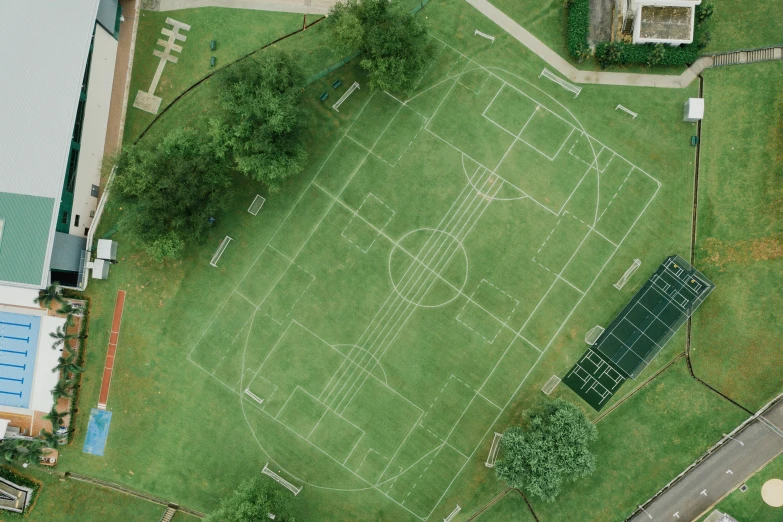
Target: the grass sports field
(442, 245)
(441, 257)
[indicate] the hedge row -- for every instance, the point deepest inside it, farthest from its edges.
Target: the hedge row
(578, 28)
(620, 53)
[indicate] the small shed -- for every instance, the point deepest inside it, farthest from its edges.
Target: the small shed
(107, 249)
(694, 110)
(100, 269)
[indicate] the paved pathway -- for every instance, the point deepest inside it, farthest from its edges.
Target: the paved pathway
(575, 75)
(730, 465)
(285, 6)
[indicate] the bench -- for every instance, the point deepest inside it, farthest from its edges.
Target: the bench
(324, 95)
(337, 83)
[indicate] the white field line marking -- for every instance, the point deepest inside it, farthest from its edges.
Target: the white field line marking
(408, 282)
(433, 273)
(352, 450)
(562, 325)
(405, 312)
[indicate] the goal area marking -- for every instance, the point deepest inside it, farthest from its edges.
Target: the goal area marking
(551, 384)
(626, 110)
(493, 451)
(546, 73)
(280, 480)
(484, 35)
(256, 205)
(452, 514)
(628, 273)
(220, 250)
(344, 97)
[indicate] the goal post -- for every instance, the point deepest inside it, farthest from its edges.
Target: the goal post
(493, 451)
(628, 273)
(592, 336)
(280, 480)
(256, 205)
(220, 250)
(550, 385)
(549, 75)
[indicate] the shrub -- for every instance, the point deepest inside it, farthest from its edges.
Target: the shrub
(656, 55)
(619, 53)
(703, 12)
(578, 28)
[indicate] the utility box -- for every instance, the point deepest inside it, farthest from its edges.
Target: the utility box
(100, 269)
(107, 250)
(694, 110)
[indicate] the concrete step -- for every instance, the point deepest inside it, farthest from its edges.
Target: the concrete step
(168, 515)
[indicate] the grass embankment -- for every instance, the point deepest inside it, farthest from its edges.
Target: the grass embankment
(736, 334)
(738, 25)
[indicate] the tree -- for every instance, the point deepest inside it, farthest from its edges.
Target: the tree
(68, 365)
(261, 128)
(61, 337)
(392, 41)
(49, 294)
(253, 501)
(55, 417)
(172, 188)
(49, 438)
(549, 447)
(61, 389)
(15, 451)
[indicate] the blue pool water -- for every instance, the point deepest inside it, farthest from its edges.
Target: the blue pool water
(18, 345)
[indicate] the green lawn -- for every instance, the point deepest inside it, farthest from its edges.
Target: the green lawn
(510, 507)
(68, 500)
(408, 294)
(236, 31)
(749, 505)
(737, 333)
(738, 24)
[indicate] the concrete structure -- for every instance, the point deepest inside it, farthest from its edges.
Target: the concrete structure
(56, 74)
(693, 110)
(658, 21)
(14, 497)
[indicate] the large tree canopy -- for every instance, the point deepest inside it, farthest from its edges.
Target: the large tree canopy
(253, 501)
(261, 127)
(172, 189)
(392, 41)
(549, 447)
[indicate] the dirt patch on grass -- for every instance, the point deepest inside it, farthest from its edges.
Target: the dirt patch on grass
(721, 253)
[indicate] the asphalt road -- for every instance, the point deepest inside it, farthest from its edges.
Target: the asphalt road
(720, 473)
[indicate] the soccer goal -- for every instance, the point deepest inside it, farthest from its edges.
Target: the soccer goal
(484, 35)
(551, 384)
(344, 97)
(549, 75)
(592, 336)
(453, 514)
(628, 273)
(627, 111)
(253, 396)
(219, 251)
(256, 205)
(493, 451)
(280, 480)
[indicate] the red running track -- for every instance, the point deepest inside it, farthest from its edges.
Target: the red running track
(113, 339)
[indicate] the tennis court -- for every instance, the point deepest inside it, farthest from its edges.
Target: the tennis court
(641, 330)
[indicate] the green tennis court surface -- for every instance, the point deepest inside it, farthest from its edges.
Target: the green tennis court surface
(640, 331)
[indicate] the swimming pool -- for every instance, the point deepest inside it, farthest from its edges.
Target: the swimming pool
(18, 346)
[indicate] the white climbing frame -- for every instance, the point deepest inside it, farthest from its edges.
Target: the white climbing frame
(220, 250)
(628, 273)
(484, 35)
(344, 97)
(280, 480)
(626, 109)
(452, 514)
(493, 451)
(546, 73)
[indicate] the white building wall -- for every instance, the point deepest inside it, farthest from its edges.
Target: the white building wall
(96, 120)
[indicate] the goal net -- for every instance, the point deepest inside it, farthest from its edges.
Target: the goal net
(256, 205)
